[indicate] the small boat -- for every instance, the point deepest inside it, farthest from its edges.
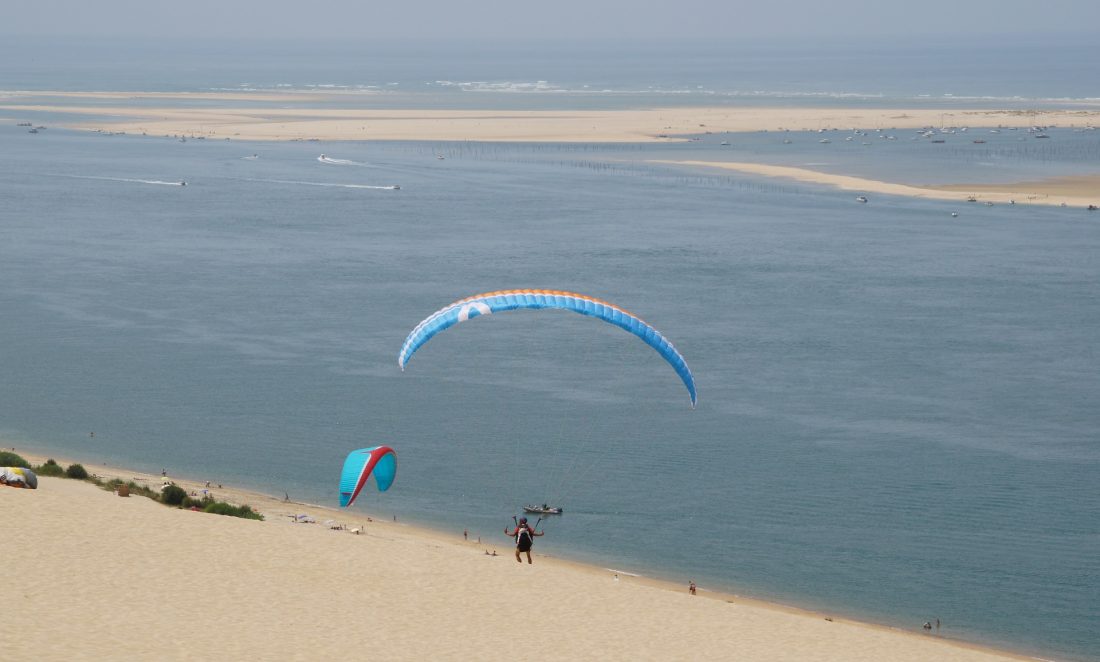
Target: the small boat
(1041, 135)
(33, 131)
(824, 141)
(861, 198)
(724, 143)
(979, 142)
(542, 510)
(954, 214)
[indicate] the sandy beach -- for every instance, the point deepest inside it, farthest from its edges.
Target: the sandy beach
(254, 122)
(1070, 191)
(91, 575)
(261, 121)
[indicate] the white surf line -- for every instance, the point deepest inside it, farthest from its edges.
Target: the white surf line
(125, 179)
(622, 572)
(328, 184)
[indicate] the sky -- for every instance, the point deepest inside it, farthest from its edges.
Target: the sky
(512, 20)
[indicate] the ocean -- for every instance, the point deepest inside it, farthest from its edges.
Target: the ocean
(898, 409)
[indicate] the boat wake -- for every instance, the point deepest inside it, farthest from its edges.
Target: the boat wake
(394, 187)
(344, 162)
(156, 182)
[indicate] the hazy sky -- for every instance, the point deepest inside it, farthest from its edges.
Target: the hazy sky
(491, 20)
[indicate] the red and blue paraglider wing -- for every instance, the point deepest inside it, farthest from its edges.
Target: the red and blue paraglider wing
(379, 461)
(494, 302)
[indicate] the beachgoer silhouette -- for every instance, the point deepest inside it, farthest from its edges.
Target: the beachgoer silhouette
(691, 587)
(525, 538)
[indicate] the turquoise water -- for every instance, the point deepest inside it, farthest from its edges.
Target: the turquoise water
(898, 409)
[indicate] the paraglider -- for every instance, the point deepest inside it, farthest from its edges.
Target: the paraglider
(18, 477)
(379, 461)
(495, 302)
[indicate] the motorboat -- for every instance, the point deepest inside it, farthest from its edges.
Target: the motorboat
(542, 510)
(861, 198)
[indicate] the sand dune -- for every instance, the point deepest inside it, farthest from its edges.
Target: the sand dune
(90, 575)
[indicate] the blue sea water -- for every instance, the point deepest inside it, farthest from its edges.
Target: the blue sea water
(898, 409)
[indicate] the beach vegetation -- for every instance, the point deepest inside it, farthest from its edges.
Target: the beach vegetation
(209, 505)
(135, 488)
(173, 495)
(50, 468)
(77, 471)
(10, 459)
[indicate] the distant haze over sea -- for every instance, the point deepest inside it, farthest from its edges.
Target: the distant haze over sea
(1012, 71)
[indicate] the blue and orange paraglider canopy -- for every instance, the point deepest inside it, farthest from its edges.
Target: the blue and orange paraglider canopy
(494, 302)
(360, 465)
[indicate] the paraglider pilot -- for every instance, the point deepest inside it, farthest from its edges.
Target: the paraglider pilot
(525, 538)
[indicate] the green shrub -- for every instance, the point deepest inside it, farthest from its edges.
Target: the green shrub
(173, 495)
(223, 508)
(10, 459)
(135, 489)
(51, 468)
(76, 471)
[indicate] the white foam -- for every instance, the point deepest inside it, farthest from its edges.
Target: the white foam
(127, 179)
(344, 162)
(327, 184)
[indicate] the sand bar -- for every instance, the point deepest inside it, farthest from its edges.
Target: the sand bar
(609, 126)
(90, 575)
(1080, 191)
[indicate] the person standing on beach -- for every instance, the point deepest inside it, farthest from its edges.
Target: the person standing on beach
(525, 538)
(691, 587)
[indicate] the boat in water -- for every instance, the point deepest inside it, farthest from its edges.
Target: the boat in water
(542, 510)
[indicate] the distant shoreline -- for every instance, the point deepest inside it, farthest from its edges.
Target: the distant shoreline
(397, 546)
(1079, 191)
(263, 121)
(258, 122)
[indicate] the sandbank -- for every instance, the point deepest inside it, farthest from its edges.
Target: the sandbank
(154, 117)
(90, 575)
(1079, 191)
